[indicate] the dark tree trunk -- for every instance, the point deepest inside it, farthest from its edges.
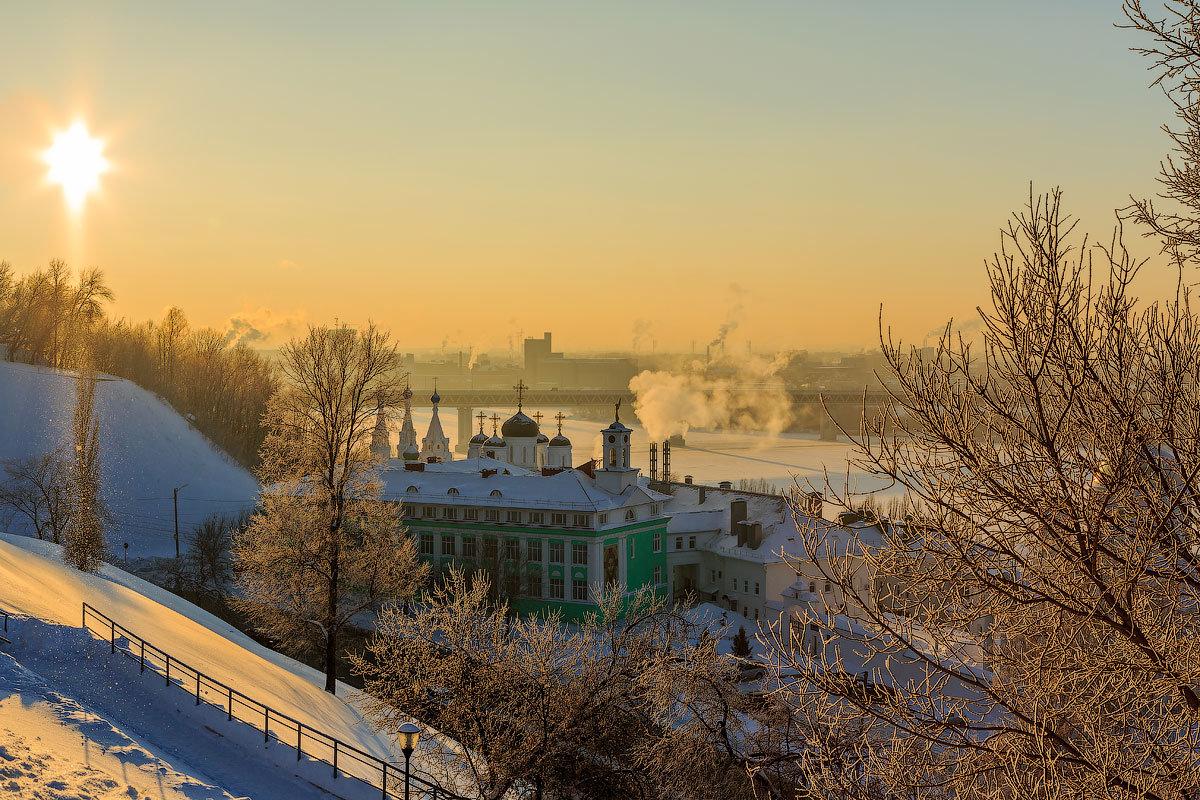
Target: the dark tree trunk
(331, 628)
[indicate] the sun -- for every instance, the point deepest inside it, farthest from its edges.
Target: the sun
(76, 163)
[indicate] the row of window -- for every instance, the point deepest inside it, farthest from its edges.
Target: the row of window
(556, 519)
(512, 548)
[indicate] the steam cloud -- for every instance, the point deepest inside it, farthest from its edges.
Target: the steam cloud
(261, 326)
(751, 399)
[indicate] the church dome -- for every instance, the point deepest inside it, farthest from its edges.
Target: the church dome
(519, 426)
(411, 453)
(436, 398)
(619, 427)
(542, 439)
(496, 441)
(479, 438)
(560, 441)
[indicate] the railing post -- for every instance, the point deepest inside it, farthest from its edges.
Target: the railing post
(384, 785)
(335, 744)
(168, 669)
(142, 663)
(266, 724)
(230, 688)
(197, 687)
(112, 636)
(299, 738)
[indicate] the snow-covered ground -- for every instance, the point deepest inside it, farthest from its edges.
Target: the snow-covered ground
(78, 722)
(146, 450)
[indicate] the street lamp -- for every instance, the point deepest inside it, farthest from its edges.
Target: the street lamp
(409, 734)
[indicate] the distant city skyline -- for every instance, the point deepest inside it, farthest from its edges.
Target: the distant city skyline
(460, 172)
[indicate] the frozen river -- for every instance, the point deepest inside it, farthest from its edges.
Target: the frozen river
(709, 456)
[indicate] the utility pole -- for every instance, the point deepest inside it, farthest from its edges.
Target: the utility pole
(175, 492)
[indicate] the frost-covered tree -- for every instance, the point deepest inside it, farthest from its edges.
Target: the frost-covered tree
(324, 547)
(85, 547)
(1054, 646)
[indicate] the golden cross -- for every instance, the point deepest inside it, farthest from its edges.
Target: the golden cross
(560, 417)
(495, 422)
(482, 417)
(521, 389)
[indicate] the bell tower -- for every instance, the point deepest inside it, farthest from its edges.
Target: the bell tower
(615, 474)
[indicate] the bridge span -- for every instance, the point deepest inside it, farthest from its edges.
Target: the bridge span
(465, 401)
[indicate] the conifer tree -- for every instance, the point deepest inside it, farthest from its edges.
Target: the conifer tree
(85, 546)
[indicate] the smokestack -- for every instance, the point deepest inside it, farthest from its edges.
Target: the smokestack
(653, 462)
(666, 451)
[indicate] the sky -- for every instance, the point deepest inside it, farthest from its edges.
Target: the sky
(460, 172)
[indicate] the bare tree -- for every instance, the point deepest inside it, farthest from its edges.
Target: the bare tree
(632, 702)
(210, 558)
(1052, 546)
(323, 547)
(85, 547)
(39, 488)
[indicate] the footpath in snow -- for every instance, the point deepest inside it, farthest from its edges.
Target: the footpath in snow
(77, 721)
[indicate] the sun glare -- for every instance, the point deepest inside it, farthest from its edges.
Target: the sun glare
(76, 163)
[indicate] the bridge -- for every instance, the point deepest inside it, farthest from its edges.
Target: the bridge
(465, 401)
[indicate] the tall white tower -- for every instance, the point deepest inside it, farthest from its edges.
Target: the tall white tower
(381, 444)
(435, 447)
(408, 434)
(615, 474)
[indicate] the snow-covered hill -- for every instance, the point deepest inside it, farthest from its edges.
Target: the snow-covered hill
(146, 450)
(74, 717)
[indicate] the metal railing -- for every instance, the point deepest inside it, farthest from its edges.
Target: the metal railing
(4, 614)
(345, 759)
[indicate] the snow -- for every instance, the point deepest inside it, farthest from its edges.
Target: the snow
(58, 681)
(146, 449)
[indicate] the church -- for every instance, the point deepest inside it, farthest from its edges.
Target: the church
(552, 534)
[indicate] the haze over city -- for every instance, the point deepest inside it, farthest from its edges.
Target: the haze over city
(612, 172)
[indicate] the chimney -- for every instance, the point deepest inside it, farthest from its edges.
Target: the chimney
(754, 536)
(687, 479)
(740, 530)
(726, 484)
(703, 492)
(737, 515)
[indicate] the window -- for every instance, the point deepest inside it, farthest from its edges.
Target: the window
(827, 586)
(733, 584)
(512, 583)
(468, 547)
(678, 542)
(756, 613)
(557, 553)
(411, 490)
(719, 575)
(534, 548)
(558, 519)
(745, 586)
(426, 544)
(512, 549)
(429, 512)
(654, 510)
(491, 548)
(471, 514)
(658, 541)
(579, 553)
(491, 515)
(691, 542)
(657, 575)
(495, 493)
(632, 548)
(602, 519)
(556, 588)
(534, 580)
(512, 516)
(714, 576)
(447, 545)
(449, 513)
(756, 587)
(581, 520)
(578, 589)
(630, 515)
(452, 490)
(536, 518)
(812, 587)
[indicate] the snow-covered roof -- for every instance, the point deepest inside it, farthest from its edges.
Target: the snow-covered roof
(569, 489)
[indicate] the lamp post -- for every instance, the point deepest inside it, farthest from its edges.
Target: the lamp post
(409, 734)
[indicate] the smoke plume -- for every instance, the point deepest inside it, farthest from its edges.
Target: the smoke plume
(751, 399)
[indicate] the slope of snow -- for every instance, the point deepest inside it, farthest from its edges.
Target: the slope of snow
(146, 450)
(49, 642)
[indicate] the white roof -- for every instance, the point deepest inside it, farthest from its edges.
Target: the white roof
(569, 490)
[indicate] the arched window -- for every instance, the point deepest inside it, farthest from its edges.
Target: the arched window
(612, 457)
(452, 490)
(495, 493)
(411, 490)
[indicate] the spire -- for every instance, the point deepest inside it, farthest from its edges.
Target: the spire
(381, 445)
(436, 445)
